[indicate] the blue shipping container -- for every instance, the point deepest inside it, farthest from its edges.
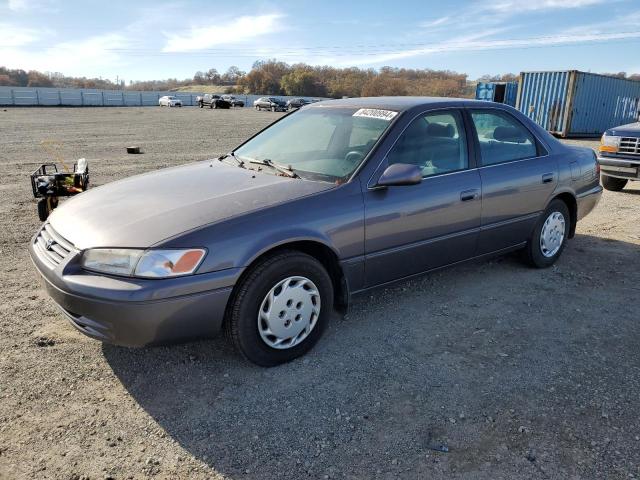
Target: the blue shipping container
(501, 92)
(578, 104)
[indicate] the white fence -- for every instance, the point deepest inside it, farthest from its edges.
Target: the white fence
(74, 97)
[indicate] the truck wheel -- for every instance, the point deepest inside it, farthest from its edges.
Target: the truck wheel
(280, 309)
(550, 236)
(43, 209)
(613, 184)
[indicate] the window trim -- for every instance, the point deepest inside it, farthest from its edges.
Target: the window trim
(469, 141)
(541, 150)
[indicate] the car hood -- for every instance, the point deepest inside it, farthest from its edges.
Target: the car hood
(632, 129)
(143, 210)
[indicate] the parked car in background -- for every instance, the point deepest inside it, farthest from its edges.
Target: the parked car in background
(169, 101)
(323, 204)
(297, 103)
(619, 156)
(212, 101)
(270, 103)
(235, 102)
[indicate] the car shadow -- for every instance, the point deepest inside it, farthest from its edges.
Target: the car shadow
(436, 372)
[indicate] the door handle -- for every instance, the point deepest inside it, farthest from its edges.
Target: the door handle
(469, 195)
(548, 177)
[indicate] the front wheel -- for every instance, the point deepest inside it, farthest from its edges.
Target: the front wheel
(200, 104)
(613, 184)
(550, 236)
(256, 107)
(273, 109)
(280, 309)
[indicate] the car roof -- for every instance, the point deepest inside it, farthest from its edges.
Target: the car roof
(395, 103)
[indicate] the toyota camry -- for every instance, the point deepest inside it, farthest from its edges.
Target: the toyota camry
(330, 201)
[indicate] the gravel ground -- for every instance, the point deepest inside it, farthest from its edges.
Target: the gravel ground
(486, 370)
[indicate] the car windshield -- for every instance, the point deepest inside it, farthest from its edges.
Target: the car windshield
(320, 143)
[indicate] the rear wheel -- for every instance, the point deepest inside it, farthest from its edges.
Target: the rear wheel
(280, 309)
(613, 184)
(550, 236)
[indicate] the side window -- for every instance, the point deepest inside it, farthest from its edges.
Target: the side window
(502, 138)
(435, 142)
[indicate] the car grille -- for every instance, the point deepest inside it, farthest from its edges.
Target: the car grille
(51, 247)
(629, 145)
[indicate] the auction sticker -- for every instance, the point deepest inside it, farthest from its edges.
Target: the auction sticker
(376, 113)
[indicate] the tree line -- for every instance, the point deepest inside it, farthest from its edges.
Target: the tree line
(273, 77)
(34, 78)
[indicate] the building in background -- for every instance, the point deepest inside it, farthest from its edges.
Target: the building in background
(501, 92)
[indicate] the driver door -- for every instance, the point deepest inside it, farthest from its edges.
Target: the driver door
(412, 229)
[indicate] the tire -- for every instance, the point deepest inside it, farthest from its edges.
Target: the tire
(541, 255)
(243, 321)
(43, 209)
(613, 184)
(273, 109)
(256, 107)
(214, 104)
(200, 104)
(211, 105)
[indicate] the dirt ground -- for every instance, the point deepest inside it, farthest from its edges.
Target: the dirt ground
(486, 370)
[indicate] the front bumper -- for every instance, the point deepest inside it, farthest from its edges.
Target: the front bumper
(137, 312)
(620, 167)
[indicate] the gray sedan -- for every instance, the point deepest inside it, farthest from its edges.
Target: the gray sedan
(330, 201)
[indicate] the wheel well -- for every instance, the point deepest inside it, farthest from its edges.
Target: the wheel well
(572, 205)
(326, 257)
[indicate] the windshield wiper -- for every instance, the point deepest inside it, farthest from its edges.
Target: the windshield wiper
(288, 171)
(232, 155)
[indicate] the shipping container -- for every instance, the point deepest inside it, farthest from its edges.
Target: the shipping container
(578, 104)
(501, 92)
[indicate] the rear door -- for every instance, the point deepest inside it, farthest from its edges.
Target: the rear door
(411, 229)
(518, 178)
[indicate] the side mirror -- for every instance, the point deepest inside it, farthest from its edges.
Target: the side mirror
(400, 174)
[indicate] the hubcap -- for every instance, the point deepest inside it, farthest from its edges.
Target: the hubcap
(289, 312)
(552, 234)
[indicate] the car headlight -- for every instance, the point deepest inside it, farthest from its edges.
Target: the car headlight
(609, 143)
(143, 263)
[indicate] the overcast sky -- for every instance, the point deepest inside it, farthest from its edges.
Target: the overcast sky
(140, 40)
